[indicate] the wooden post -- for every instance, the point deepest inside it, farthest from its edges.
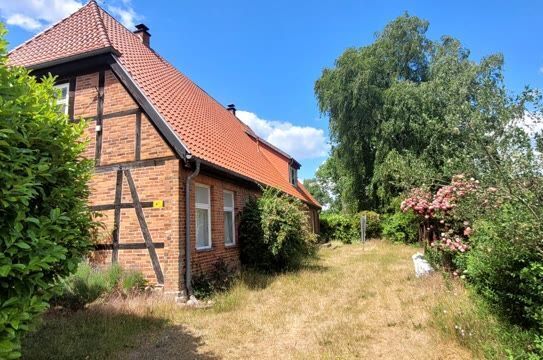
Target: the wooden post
(117, 216)
(99, 117)
(144, 229)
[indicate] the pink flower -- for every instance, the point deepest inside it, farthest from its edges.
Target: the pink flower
(468, 231)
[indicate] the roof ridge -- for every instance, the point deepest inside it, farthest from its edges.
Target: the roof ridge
(103, 26)
(165, 61)
(49, 28)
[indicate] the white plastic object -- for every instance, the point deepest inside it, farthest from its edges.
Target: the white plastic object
(422, 267)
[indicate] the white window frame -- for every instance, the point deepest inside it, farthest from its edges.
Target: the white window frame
(203, 207)
(66, 101)
(230, 209)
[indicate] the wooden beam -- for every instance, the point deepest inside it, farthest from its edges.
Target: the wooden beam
(138, 137)
(117, 216)
(133, 164)
(100, 113)
(128, 246)
(144, 228)
(164, 129)
(144, 204)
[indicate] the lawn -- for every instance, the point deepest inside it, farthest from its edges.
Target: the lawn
(354, 301)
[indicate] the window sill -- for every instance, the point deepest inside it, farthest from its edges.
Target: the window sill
(206, 249)
(228, 246)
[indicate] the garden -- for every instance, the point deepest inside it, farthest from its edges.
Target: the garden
(428, 145)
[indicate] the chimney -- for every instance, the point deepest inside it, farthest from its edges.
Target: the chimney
(142, 32)
(232, 109)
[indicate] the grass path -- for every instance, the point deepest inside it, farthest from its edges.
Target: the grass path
(356, 301)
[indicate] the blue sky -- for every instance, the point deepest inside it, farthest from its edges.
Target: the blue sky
(266, 56)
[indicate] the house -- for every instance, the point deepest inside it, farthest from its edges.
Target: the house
(174, 167)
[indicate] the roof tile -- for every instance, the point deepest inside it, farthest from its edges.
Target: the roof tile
(210, 132)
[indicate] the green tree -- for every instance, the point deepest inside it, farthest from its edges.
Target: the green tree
(403, 109)
(317, 191)
(45, 223)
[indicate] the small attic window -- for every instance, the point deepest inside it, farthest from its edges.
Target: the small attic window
(293, 175)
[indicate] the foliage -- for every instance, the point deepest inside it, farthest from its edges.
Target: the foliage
(279, 237)
(319, 192)
(407, 111)
(464, 317)
(504, 267)
(91, 283)
(327, 175)
(218, 280)
(399, 226)
(45, 223)
(339, 227)
(373, 223)
(443, 225)
(346, 227)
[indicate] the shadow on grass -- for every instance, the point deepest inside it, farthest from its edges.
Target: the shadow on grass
(107, 333)
(259, 280)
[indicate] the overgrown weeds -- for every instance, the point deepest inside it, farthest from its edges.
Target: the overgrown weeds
(463, 316)
(90, 283)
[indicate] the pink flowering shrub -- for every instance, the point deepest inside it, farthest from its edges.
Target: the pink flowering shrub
(442, 225)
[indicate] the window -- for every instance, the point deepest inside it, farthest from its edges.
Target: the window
(63, 99)
(293, 175)
(203, 217)
(229, 223)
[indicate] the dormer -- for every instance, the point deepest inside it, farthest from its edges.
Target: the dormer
(293, 175)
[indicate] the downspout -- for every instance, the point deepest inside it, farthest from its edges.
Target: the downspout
(188, 271)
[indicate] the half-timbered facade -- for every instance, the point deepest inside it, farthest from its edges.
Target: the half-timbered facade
(173, 167)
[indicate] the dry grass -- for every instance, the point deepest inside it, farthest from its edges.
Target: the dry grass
(353, 302)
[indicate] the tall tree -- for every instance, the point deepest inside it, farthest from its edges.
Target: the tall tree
(400, 111)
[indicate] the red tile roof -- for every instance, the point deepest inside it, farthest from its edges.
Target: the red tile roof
(210, 132)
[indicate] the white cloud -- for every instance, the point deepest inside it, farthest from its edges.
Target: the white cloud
(23, 21)
(301, 142)
(34, 15)
(541, 69)
(125, 14)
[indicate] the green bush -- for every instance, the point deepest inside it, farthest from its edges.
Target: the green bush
(505, 265)
(274, 232)
(339, 227)
(218, 280)
(401, 227)
(346, 227)
(45, 223)
(373, 223)
(90, 283)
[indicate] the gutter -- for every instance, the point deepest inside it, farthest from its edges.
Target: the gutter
(188, 247)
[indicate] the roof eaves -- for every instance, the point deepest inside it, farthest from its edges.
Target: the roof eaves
(154, 115)
(47, 64)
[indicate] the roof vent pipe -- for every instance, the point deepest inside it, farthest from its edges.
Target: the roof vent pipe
(142, 32)
(232, 109)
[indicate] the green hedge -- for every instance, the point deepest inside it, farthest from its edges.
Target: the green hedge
(505, 264)
(346, 228)
(401, 227)
(45, 222)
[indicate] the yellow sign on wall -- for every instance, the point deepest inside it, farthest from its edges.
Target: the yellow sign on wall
(158, 203)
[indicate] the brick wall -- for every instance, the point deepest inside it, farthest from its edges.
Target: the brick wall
(163, 181)
(204, 260)
(160, 182)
